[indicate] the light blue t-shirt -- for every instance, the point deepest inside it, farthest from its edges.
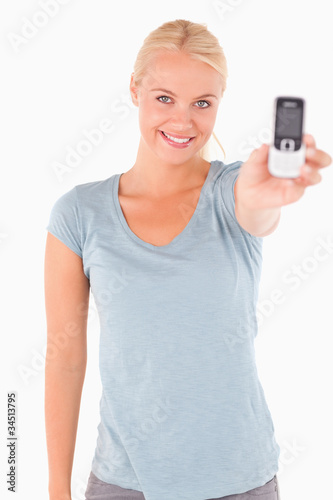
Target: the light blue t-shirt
(183, 415)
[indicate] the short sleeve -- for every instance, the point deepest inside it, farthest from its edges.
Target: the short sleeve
(228, 179)
(64, 222)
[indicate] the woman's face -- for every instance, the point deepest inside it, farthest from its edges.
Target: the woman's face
(178, 96)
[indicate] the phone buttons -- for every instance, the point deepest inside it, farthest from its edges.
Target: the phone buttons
(287, 145)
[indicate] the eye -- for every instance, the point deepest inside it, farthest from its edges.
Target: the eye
(205, 102)
(163, 97)
(201, 104)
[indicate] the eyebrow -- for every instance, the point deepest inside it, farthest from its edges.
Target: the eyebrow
(174, 95)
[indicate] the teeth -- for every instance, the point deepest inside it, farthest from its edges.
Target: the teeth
(181, 141)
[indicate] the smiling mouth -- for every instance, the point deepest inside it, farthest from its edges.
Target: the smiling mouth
(179, 140)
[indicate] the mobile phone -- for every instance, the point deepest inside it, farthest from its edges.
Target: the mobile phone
(287, 153)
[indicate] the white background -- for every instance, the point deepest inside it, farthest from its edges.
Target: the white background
(74, 72)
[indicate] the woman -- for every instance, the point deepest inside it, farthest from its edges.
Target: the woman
(171, 250)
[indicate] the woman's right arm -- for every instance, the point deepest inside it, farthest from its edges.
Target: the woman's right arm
(66, 303)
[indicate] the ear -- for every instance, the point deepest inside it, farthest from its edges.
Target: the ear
(134, 91)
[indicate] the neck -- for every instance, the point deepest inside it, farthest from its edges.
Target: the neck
(152, 176)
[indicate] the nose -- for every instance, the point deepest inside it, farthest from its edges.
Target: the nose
(181, 119)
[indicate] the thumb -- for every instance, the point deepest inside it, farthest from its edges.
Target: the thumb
(259, 155)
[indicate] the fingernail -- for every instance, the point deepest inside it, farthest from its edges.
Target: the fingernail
(311, 152)
(307, 169)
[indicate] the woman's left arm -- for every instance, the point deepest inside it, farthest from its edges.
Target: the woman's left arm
(259, 196)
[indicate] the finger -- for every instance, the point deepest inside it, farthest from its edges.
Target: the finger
(317, 158)
(260, 154)
(309, 141)
(308, 176)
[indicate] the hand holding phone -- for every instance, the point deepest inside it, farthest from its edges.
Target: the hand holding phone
(287, 153)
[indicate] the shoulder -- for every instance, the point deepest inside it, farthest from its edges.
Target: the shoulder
(223, 170)
(83, 200)
(86, 195)
(95, 188)
(223, 179)
(75, 210)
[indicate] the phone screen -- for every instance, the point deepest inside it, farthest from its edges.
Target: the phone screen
(289, 120)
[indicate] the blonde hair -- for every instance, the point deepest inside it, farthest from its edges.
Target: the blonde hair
(183, 36)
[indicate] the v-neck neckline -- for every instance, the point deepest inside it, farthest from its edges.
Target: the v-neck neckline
(136, 238)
